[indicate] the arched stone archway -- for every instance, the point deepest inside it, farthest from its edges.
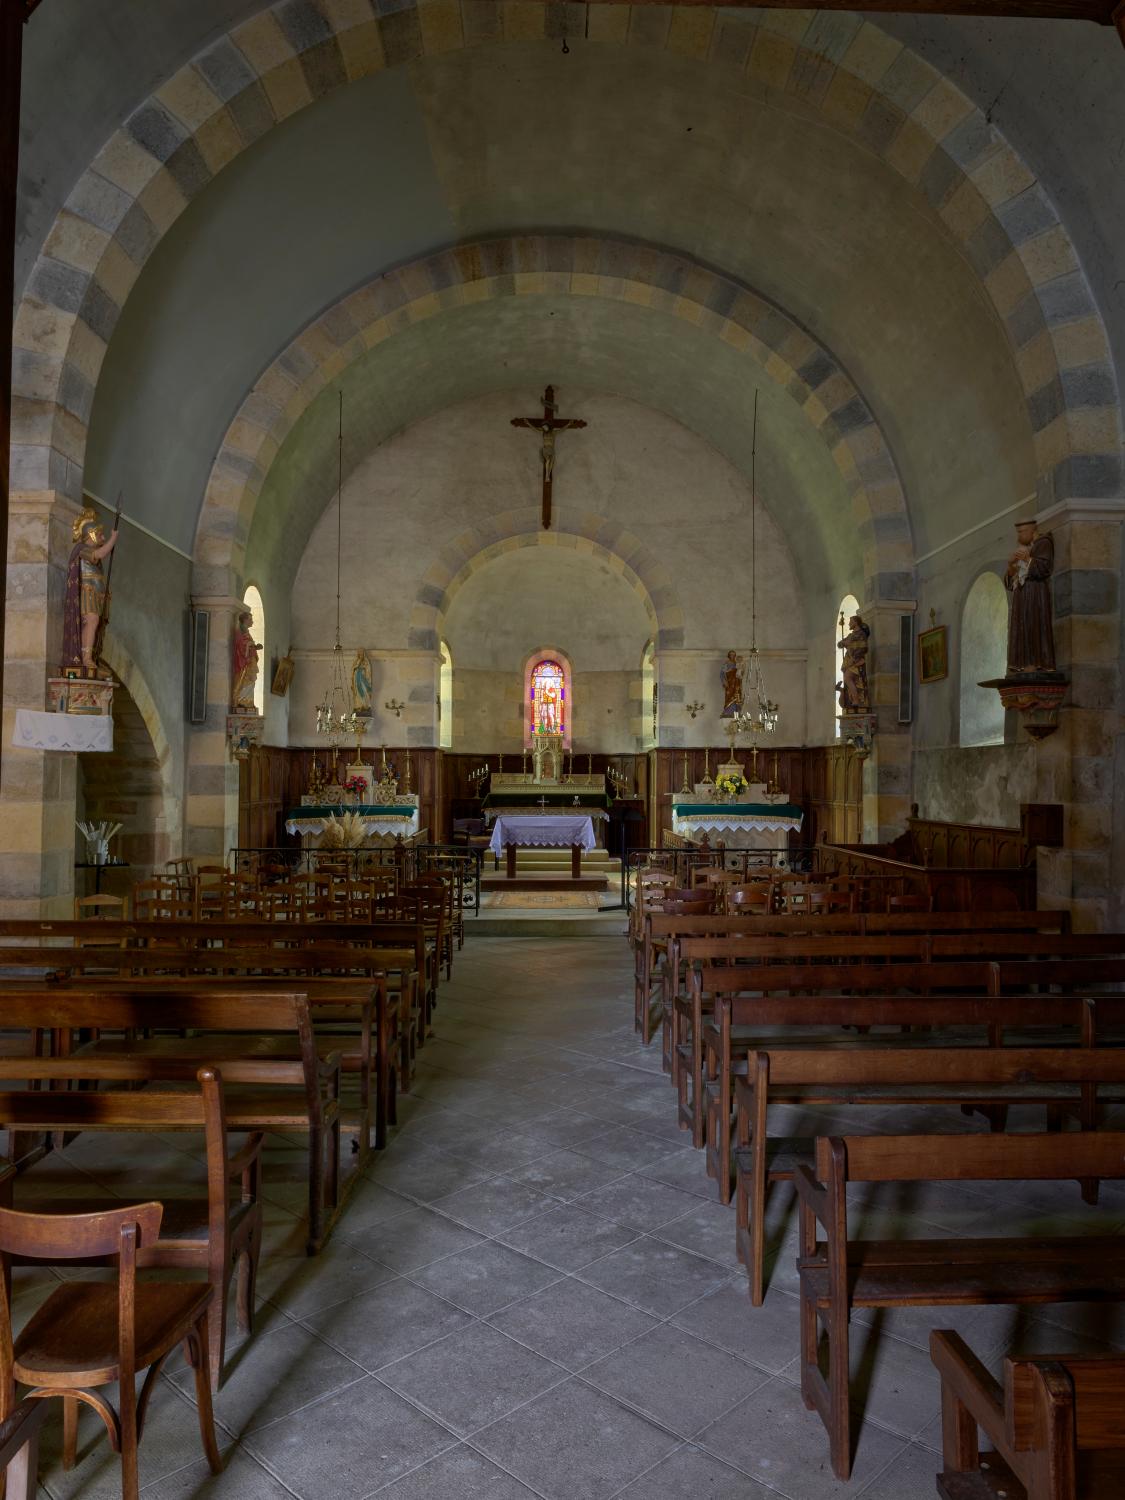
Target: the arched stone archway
(856, 78)
(663, 284)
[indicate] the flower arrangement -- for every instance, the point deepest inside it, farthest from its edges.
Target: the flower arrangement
(356, 785)
(348, 832)
(731, 784)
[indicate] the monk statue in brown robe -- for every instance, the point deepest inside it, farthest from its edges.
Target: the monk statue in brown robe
(1031, 640)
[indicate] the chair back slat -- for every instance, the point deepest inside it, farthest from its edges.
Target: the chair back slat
(64, 1237)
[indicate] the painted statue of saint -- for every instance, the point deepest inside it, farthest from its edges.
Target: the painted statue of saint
(243, 665)
(855, 697)
(732, 686)
(361, 683)
(1031, 639)
(87, 599)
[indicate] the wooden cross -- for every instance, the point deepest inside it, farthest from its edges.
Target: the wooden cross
(547, 426)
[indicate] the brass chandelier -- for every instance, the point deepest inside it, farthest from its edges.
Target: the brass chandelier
(336, 718)
(759, 715)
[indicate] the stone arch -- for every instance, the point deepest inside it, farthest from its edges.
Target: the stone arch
(169, 821)
(593, 535)
(528, 265)
(861, 81)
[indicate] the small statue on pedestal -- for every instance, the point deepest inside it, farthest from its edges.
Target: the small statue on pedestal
(243, 665)
(855, 697)
(1031, 639)
(86, 605)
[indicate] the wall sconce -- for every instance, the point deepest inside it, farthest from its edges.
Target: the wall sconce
(693, 708)
(393, 706)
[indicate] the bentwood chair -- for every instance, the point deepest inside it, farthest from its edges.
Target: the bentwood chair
(90, 1334)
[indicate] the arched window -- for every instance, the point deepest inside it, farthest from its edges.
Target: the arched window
(984, 654)
(547, 698)
(849, 605)
(445, 700)
(648, 683)
(253, 602)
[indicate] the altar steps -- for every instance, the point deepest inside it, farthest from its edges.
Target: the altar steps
(549, 870)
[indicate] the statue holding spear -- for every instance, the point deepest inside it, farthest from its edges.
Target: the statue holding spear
(86, 604)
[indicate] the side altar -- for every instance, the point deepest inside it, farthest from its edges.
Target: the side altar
(755, 819)
(389, 817)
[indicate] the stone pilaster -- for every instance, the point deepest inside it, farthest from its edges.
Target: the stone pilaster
(887, 770)
(37, 788)
(211, 803)
(1081, 764)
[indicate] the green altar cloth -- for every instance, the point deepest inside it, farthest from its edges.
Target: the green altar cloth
(557, 797)
(737, 809)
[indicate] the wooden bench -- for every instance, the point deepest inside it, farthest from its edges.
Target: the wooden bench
(287, 1087)
(211, 1234)
(839, 1273)
(991, 1080)
(1057, 1425)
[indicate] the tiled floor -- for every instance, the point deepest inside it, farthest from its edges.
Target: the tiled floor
(535, 1293)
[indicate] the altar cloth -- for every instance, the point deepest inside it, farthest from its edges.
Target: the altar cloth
(376, 820)
(542, 831)
(35, 730)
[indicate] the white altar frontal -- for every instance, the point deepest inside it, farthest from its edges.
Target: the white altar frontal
(384, 822)
(543, 831)
(756, 820)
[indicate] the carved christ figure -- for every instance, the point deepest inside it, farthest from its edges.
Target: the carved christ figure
(1031, 638)
(548, 426)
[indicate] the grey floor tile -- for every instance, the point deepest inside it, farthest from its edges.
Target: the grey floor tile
(573, 1323)
(626, 1148)
(471, 1378)
(568, 1237)
(575, 1444)
(766, 1335)
(910, 1476)
(459, 1474)
(690, 1471)
(706, 1229)
(658, 1278)
(412, 1240)
(424, 1173)
(684, 1170)
(637, 1202)
(350, 1444)
(677, 1380)
(564, 1127)
(771, 1437)
(299, 1284)
(383, 1325)
(486, 1278)
(565, 1174)
(243, 1478)
(495, 1205)
(275, 1373)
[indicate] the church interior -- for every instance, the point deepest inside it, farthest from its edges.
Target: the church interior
(562, 791)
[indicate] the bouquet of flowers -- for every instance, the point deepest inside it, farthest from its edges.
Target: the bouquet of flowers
(347, 832)
(732, 784)
(356, 785)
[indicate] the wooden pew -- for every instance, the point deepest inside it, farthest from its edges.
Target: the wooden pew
(733, 1028)
(839, 1273)
(1057, 1425)
(211, 1234)
(287, 1088)
(989, 1079)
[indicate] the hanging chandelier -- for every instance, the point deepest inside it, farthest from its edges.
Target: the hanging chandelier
(336, 718)
(759, 713)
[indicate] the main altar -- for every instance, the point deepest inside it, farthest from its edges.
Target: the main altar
(546, 789)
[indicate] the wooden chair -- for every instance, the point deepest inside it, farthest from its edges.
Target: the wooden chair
(19, 1449)
(102, 906)
(91, 1334)
(1057, 1425)
(164, 900)
(739, 899)
(220, 1233)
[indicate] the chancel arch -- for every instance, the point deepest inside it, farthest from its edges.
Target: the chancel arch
(234, 94)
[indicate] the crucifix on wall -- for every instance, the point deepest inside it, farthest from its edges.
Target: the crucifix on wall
(547, 426)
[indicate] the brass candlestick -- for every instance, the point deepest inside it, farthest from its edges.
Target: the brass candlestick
(589, 766)
(708, 779)
(686, 786)
(406, 773)
(773, 788)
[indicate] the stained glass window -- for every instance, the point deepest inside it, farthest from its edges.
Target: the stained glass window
(548, 698)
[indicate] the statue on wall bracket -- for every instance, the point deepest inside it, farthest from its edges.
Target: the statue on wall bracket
(858, 722)
(1032, 685)
(83, 685)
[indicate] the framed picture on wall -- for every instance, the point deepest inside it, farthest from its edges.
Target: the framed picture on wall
(933, 654)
